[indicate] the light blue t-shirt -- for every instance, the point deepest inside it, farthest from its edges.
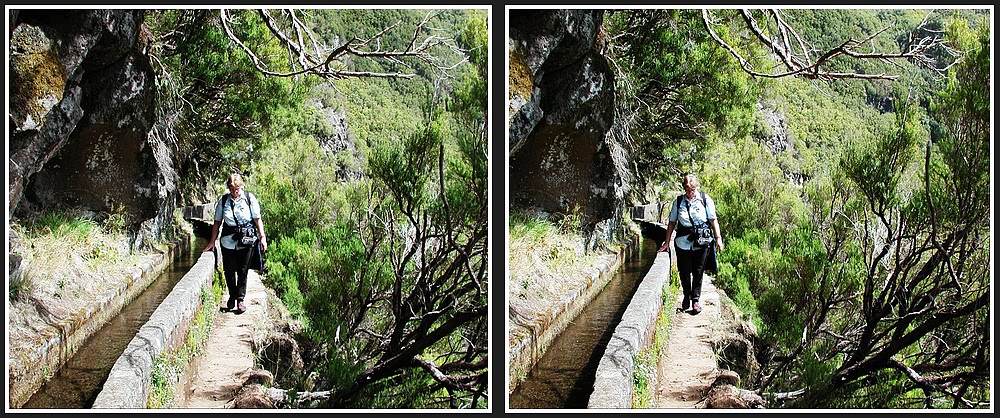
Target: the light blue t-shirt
(690, 212)
(242, 207)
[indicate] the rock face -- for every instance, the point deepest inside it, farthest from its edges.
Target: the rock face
(778, 139)
(562, 108)
(82, 116)
(336, 138)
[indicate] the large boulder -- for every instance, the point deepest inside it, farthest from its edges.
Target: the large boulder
(82, 115)
(561, 113)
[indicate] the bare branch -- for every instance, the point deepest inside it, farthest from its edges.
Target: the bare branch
(463, 382)
(297, 39)
(800, 63)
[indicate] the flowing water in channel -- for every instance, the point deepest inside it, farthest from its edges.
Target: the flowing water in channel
(78, 382)
(564, 376)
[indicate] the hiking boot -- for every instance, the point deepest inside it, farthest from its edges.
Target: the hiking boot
(696, 309)
(685, 303)
(240, 308)
(229, 305)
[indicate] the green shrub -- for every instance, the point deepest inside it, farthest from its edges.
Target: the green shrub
(523, 226)
(293, 262)
(64, 224)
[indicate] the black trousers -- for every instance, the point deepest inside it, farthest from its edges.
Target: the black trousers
(691, 267)
(235, 265)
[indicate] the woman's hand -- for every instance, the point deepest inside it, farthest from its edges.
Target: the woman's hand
(215, 235)
(260, 233)
(670, 234)
(717, 231)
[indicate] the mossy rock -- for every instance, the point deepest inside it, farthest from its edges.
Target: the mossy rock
(38, 78)
(521, 78)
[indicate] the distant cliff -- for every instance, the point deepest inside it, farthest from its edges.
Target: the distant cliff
(82, 117)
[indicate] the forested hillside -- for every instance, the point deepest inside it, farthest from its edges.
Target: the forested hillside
(848, 153)
(380, 237)
(363, 135)
(855, 210)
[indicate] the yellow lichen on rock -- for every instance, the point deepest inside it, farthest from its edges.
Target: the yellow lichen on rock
(38, 78)
(521, 77)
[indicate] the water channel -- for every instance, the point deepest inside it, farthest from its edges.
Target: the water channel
(564, 376)
(81, 379)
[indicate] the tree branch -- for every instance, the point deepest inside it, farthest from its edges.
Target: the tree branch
(805, 66)
(303, 62)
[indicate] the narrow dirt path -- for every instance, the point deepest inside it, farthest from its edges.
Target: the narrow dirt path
(689, 366)
(213, 377)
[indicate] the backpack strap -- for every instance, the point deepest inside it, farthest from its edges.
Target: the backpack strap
(681, 229)
(222, 201)
(251, 198)
(232, 208)
(677, 202)
(226, 228)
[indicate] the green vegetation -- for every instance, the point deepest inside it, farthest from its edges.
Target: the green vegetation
(216, 107)
(853, 279)
(547, 247)
(166, 371)
(858, 244)
(539, 235)
(642, 387)
(678, 88)
(377, 240)
(378, 229)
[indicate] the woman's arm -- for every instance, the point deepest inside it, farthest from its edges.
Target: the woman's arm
(666, 242)
(718, 234)
(215, 234)
(260, 233)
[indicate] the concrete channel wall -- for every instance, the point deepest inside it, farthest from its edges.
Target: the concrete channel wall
(613, 383)
(65, 337)
(128, 384)
(205, 212)
(525, 352)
